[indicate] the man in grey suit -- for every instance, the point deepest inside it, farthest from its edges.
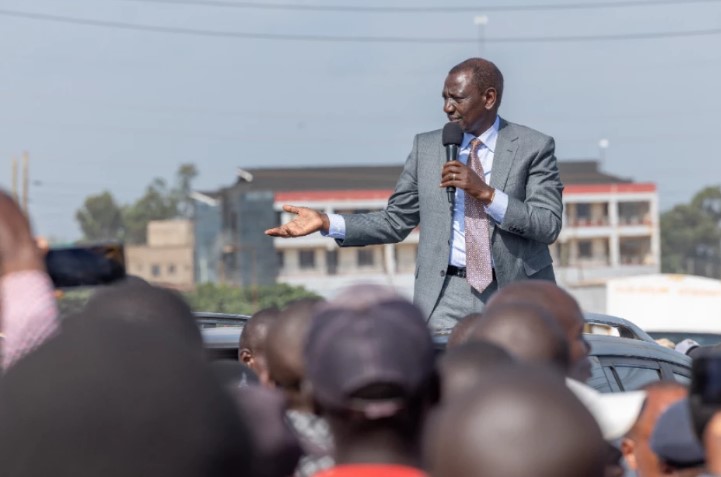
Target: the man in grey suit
(514, 181)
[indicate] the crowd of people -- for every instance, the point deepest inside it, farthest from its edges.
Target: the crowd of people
(354, 386)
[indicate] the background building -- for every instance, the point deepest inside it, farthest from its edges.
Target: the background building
(167, 258)
(611, 229)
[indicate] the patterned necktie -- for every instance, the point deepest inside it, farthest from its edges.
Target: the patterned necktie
(479, 270)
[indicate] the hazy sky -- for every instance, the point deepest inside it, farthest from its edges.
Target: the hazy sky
(106, 108)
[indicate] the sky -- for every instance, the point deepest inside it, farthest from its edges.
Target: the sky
(99, 107)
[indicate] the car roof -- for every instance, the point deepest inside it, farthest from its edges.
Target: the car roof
(633, 348)
(212, 320)
(625, 328)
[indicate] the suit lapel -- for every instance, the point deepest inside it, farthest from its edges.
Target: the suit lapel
(506, 147)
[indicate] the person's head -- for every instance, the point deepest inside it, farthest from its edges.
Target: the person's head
(526, 423)
(284, 351)
(526, 331)
(139, 302)
(371, 372)
(674, 442)
(562, 307)
(110, 398)
(636, 446)
(468, 365)
(472, 95)
(462, 331)
(252, 342)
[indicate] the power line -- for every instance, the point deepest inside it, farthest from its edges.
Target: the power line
(350, 39)
(426, 9)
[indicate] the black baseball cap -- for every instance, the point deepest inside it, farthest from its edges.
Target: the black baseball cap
(351, 348)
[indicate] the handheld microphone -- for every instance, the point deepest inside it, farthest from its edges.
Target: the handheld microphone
(452, 138)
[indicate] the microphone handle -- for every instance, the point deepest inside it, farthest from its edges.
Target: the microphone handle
(451, 155)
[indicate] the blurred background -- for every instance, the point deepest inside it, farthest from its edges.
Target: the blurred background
(181, 127)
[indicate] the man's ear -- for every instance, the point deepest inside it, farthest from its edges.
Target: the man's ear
(628, 447)
(245, 357)
(491, 98)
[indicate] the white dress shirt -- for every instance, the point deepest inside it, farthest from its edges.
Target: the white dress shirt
(496, 210)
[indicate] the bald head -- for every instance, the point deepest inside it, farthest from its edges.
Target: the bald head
(462, 331)
(561, 307)
(526, 331)
(485, 75)
(636, 446)
(251, 346)
(469, 365)
(527, 423)
(284, 347)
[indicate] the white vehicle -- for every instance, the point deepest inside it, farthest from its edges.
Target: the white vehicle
(669, 306)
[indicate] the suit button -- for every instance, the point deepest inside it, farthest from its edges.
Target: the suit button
(443, 273)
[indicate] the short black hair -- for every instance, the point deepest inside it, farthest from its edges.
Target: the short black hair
(485, 74)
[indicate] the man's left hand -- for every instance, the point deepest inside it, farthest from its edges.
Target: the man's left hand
(455, 174)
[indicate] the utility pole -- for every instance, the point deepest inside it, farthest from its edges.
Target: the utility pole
(481, 21)
(26, 181)
(15, 179)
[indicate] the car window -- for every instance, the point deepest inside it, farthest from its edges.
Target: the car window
(598, 380)
(682, 379)
(633, 378)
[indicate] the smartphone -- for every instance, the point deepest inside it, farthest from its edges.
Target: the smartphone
(82, 266)
(705, 390)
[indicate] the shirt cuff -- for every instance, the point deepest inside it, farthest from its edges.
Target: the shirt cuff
(497, 208)
(337, 227)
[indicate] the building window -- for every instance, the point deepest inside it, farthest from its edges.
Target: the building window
(583, 214)
(585, 249)
(331, 260)
(171, 269)
(155, 270)
(366, 257)
(307, 259)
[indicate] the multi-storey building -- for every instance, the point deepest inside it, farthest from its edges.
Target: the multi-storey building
(610, 229)
(167, 258)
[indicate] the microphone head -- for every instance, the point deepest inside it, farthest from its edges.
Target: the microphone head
(452, 134)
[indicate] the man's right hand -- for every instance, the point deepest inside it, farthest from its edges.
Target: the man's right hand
(306, 222)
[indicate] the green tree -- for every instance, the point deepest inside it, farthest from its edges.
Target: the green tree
(100, 218)
(690, 235)
(183, 188)
(157, 203)
(245, 301)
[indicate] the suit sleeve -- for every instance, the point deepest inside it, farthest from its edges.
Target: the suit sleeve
(539, 216)
(397, 220)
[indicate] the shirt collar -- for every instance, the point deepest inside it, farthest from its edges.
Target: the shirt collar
(488, 137)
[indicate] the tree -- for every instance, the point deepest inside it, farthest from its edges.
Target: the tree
(183, 188)
(691, 235)
(244, 301)
(157, 203)
(100, 218)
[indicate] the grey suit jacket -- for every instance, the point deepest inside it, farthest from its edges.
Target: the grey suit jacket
(524, 167)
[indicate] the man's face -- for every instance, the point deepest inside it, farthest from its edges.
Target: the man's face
(636, 447)
(465, 104)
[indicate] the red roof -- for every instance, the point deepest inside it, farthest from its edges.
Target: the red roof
(384, 194)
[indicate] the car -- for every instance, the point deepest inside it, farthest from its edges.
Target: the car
(221, 333)
(623, 356)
